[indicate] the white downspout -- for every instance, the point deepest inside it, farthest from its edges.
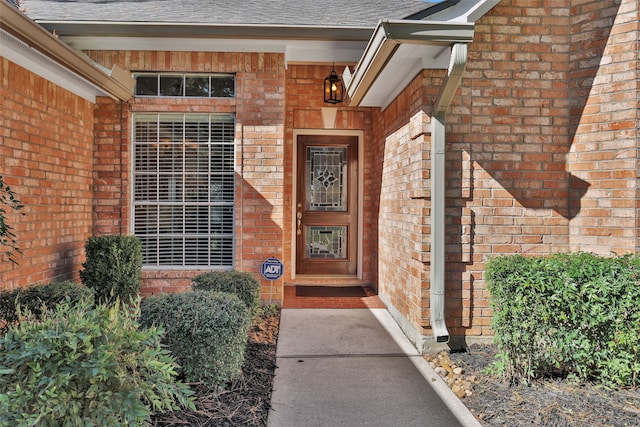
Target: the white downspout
(447, 91)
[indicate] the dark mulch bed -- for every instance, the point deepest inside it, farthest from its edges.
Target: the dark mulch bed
(548, 403)
(246, 401)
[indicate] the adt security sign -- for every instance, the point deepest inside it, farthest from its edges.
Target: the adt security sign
(272, 269)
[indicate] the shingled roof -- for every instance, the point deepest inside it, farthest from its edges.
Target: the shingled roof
(351, 13)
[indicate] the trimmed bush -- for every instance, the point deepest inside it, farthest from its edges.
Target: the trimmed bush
(84, 365)
(242, 284)
(567, 314)
(38, 296)
(205, 331)
(113, 268)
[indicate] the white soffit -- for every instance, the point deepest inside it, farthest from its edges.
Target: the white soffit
(397, 52)
(30, 59)
(408, 61)
(296, 51)
(465, 11)
(299, 44)
(324, 52)
(400, 49)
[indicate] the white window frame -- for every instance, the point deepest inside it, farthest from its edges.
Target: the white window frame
(149, 177)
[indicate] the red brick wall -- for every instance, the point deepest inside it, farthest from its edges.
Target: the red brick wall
(46, 158)
(111, 158)
(259, 110)
(541, 143)
(403, 182)
(508, 188)
(541, 154)
(604, 125)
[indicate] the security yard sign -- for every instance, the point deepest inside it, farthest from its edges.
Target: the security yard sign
(272, 269)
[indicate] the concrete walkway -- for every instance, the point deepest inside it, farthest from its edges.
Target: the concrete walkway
(355, 367)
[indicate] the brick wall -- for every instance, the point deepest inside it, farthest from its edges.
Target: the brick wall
(508, 188)
(259, 110)
(541, 154)
(402, 171)
(46, 158)
(111, 158)
(604, 122)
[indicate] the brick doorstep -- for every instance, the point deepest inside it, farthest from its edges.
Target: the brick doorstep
(292, 301)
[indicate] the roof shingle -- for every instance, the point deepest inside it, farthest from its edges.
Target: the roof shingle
(350, 13)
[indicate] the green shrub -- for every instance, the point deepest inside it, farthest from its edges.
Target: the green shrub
(38, 296)
(243, 285)
(205, 331)
(113, 268)
(84, 365)
(268, 310)
(567, 314)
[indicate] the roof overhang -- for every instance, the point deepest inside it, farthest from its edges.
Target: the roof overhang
(27, 42)
(204, 30)
(299, 44)
(396, 53)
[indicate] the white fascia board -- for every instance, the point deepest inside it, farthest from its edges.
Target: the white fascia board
(30, 59)
(209, 31)
(375, 57)
(392, 46)
(173, 44)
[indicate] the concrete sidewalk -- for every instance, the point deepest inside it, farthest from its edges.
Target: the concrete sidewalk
(355, 367)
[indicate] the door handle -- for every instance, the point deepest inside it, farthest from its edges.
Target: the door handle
(299, 216)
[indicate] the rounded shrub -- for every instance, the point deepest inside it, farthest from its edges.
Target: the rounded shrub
(81, 365)
(113, 267)
(205, 331)
(242, 284)
(37, 297)
(573, 314)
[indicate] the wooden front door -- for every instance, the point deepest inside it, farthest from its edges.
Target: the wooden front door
(326, 220)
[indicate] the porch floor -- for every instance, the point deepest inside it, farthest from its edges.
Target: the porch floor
(291, 300)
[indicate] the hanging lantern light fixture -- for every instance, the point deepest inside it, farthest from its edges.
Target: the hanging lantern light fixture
(333, 88)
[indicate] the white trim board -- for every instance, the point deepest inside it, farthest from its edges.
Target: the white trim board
(23, 55)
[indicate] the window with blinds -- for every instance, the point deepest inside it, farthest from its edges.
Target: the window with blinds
(183, 189)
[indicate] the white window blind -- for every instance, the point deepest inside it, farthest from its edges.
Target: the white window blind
(183, 189)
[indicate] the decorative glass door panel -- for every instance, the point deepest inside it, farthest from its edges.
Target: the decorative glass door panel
(326, 214)
(325, 242)
(326, 180)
